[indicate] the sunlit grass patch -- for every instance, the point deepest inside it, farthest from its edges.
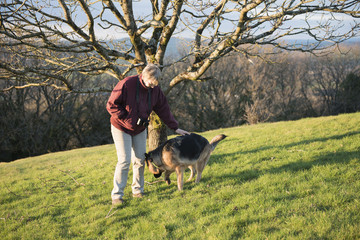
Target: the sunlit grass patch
(286, 180)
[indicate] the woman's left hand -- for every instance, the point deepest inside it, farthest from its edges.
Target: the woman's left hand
(181, 132)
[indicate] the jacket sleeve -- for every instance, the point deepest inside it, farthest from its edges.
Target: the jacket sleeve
(116, 103)
(162, 109)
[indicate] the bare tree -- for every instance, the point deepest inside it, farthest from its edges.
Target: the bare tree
(39, 120)
(65, 35)
(216, 103)
(327, 74)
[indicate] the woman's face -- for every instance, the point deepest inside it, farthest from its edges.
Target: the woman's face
(150, 83)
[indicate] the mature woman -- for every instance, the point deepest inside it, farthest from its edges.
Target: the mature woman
(130, 104)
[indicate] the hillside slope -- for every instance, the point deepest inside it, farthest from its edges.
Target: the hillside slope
(290, 180)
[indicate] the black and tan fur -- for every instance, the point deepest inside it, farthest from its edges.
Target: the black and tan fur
(175, 155)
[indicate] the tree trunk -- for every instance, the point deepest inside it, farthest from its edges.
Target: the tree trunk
(156, 131)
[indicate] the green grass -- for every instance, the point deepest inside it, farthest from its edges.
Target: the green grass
(285, 180)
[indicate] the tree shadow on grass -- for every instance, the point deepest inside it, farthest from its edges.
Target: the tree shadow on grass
(339, 157)
(290, 145)
(342, 157)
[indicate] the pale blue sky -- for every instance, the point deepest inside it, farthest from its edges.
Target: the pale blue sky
(143, 8)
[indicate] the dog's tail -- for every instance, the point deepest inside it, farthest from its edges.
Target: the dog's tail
(216, 140)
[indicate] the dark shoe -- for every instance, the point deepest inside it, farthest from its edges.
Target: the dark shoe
(138, 195)
(117, 202)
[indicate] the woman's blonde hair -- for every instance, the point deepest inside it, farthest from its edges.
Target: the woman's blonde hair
(151, 72)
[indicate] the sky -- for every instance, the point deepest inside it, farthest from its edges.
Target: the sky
(143, 8)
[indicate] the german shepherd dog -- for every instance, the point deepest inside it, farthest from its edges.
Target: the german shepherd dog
(175, 155)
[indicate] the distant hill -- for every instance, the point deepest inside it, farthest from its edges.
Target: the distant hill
(178, 46)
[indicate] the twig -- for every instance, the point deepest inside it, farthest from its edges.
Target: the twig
(10, 190)
(81, 184)
(150, 183)
(107, 216)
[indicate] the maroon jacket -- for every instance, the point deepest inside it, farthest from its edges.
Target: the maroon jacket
(122, 106)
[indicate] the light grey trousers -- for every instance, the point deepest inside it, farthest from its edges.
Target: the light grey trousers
(129, 149)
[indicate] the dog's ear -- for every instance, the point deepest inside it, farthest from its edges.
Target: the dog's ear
(148, 157)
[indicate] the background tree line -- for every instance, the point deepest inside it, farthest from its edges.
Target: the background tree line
(286, 86)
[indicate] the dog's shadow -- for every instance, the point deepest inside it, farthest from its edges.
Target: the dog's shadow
(165, 191)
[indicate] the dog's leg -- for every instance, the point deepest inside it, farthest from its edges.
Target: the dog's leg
(198, 176)
(167, 177)
(200, 165)
(180, 177)
(192, 174)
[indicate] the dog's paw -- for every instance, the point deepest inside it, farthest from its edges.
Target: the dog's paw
(168, 181)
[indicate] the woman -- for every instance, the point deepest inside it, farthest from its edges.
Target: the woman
(130, 104)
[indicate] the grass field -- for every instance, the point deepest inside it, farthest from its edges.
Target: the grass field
(285, 180)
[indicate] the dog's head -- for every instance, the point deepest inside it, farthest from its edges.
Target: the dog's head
(149, 162)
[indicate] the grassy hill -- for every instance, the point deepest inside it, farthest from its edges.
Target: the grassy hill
(285, 180)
